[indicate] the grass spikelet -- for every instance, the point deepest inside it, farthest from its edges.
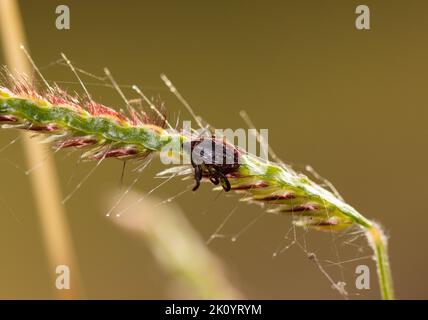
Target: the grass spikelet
(105, 133)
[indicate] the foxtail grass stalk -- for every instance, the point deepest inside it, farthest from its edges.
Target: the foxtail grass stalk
(44, 180)
(378, 242)
(105, 133)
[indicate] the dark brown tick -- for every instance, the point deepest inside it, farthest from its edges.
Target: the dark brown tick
(214, 159)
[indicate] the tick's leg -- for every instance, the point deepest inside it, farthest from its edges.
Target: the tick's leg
(215, 180)
(198, 177)
(224, 181)
(213, 176)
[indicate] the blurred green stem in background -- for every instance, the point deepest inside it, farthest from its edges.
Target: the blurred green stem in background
(44, 182)
(179, 250)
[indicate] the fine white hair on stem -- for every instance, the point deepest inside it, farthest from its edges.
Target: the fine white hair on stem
(152, 105)
(22, 47)
(174, 90)
(117, 88)
(244, 115)
(77, 75)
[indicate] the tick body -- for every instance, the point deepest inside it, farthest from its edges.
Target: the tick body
(213, 159)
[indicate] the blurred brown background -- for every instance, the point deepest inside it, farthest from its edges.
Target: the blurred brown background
(350, 103)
